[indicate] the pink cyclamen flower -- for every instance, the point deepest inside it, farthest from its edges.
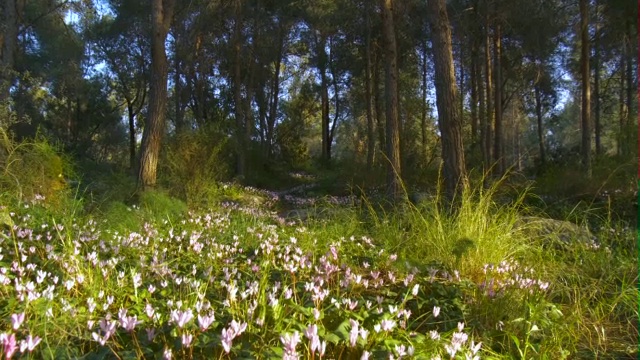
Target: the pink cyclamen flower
(290, 341)
(227, 339)
(353, 334)
(436, 311)
(186, 340)
(9, 345)
(29, 344)
(205, 321)
(181, 318)
(17, 320)
(387, 325)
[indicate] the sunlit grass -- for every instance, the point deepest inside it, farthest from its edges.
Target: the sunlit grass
(352, 281)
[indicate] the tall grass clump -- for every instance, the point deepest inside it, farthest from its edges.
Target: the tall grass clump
(193, 163)
(465, 234)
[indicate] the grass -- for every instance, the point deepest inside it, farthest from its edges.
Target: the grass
(160, 279)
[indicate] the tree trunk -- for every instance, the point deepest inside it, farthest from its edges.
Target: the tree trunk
(474, 93)
(586, 91)
(161, 15)
(324, 95)
(596, 84)
(540, 128)
(177, 83)
(371, 141)
(446, 95)
(132, 136)
(394, 171)
(275, 96)
(622, 104)
(489, 92)
(378, 102)
(237, 92)
(629, 70)
(498, 153)
(425, 108)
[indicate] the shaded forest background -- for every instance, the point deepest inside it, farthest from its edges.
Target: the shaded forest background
(186, 94)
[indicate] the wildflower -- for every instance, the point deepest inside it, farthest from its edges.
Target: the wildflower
(205, 321)
(364, 333)
(166, 355)
(415, 289)
(353, 334)
(387, 325)
(17, 320)
(290, 341)
(436, 311)
(9, 345)
(151, 333)
(434, 335)
(227, 338)
(29, 344)
(186, 340)
(365, 355)
(401, 350)
(181, 318)
(475, 347)
(149, 310)
(129, 322)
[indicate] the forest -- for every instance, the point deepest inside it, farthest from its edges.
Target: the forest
(302, 179)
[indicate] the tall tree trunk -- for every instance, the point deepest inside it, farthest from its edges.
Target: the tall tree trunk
(596, 83)
(394, 171)
(275, 95)
(474, 92)
(586, 91)
(132, 136)
(622, 112)
(371, 140)
(489, 92)
(424, 109)
(237, 92)
(161, 16)
(540, 128)
(449, 120)
(177, 83)
(324, 95)
(378, 102)
(498, 153)
(462, 90)
(629, 74)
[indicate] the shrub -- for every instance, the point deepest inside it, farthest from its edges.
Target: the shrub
(193, 162)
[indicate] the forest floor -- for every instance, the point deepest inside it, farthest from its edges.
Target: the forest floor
(317, 270)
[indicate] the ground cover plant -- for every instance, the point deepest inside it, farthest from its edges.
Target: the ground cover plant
(241, 281)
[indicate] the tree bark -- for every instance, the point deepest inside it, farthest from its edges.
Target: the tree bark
(324, 95)
(498, 153)
(449, 120)
(474, 93)
(489, 92)
(275, 94)
(371, 141)
(629, 74)
(540, 128)
(394, 171)
(622, 110)
(586, 91)
(596, 84)
(425, 108)
(237, 92)
(161, 15)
